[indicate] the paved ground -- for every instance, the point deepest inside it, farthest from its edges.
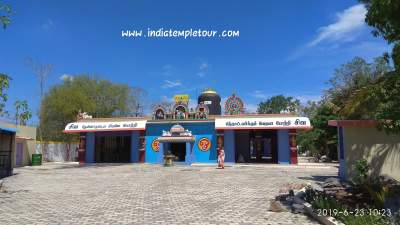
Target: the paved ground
(150, 194)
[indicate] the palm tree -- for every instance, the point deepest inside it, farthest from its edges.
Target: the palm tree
(22, 112)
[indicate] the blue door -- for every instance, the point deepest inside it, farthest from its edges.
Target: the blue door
(19, 154)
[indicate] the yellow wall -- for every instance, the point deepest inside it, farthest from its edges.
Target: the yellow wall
(381, 150)
(29, 146)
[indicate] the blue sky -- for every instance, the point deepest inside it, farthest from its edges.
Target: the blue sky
(285, 47)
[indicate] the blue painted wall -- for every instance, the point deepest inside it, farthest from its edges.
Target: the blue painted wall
(89, 157)
(190, 157)
(283, 147)
(160, 153)
(135, 146)
(199, 130)
(229, 145)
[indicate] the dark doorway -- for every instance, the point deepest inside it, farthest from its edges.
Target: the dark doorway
(113, 149)
(259, 146)
(179, 150)
(7, 140)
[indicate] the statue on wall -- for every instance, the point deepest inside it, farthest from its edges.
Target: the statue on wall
(180, 110)
(83, 115)
(159, 112)
(202, 111)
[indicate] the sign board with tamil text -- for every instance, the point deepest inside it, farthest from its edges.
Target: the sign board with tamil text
(236, 123)
(95, 126)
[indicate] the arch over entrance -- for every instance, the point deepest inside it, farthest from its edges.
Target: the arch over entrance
(177, 141)
(159, 112)
(180, 110)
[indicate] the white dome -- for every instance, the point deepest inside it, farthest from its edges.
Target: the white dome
(177, 129)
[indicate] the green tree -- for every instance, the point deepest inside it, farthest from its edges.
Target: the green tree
(278, 104)
(382, 97)
(99, 98)
(5, 13)
(384, 17)
(4, 85)
(309, 109)
(349, 79)
(322, 139)
(389, 112)
(22, 112)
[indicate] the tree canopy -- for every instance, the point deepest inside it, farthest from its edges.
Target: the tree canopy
(22, 112)
(97, 97)
(348, 80)
(5, 13)
(384, 16)
(383, 93)
(322, 139)
(4, 85)
(278, 104)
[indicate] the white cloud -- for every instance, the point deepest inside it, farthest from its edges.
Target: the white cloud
(167, 67)
(305, 98)
(250, 108)
(65, 77)
(203, 68)
(201, 74)
(48, 24)
(258, 94)
(167, 70)
(369, 49)
(165, 98)
(192, 103)
(346, 27)
(171, 84)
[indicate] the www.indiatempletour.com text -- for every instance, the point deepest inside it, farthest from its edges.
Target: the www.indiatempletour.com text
(185, 34)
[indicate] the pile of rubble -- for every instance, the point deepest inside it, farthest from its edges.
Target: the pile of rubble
(333, 187)
(2, 189)
(296, 198)
(290, 198)
(293, 196)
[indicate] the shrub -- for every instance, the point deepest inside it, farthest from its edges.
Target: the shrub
(365, 220)
(361, 172)
(327, 202)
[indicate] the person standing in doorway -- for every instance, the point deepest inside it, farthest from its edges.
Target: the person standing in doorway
(221, 153)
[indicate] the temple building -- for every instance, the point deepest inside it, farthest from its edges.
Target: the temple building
(192, 135)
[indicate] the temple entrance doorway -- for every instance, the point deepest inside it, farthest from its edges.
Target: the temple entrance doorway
(175, 142)
(256, 146)
(179, 150)
(112, 149)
